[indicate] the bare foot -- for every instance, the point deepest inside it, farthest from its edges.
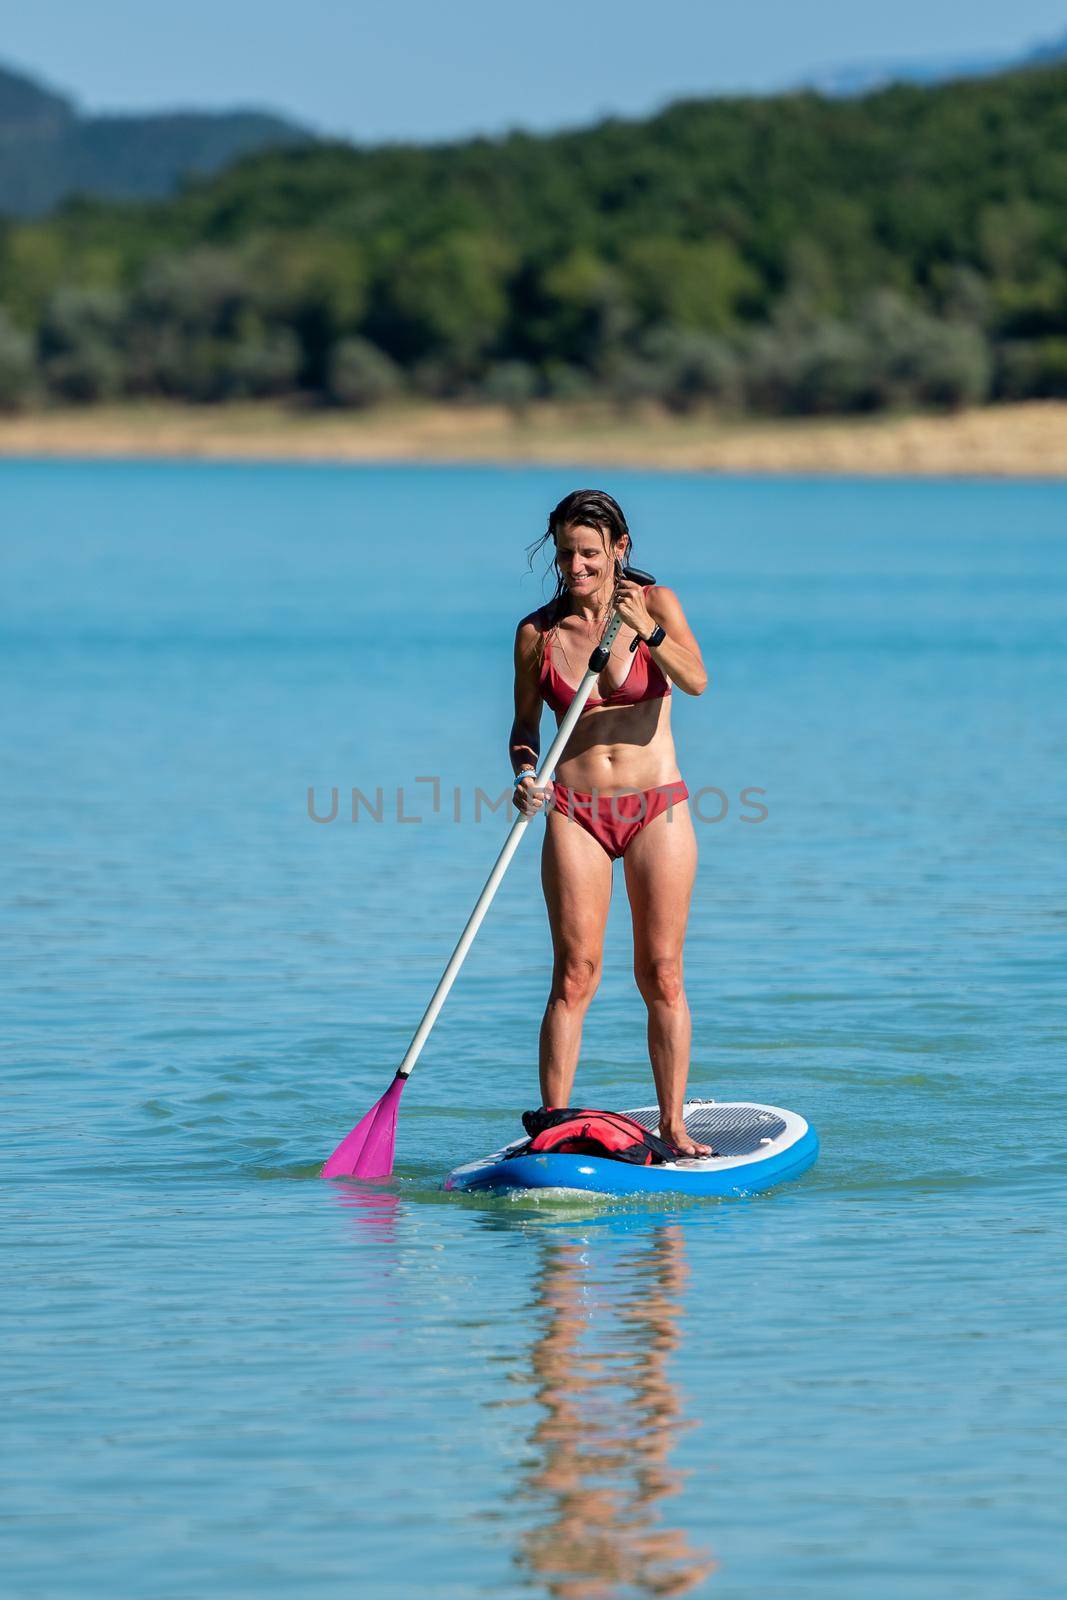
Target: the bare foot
(675, 1134)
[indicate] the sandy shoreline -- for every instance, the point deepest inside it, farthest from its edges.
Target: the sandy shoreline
(1027, 440)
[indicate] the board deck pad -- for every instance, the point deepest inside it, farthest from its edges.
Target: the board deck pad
(730, 1130)
(755, 1147)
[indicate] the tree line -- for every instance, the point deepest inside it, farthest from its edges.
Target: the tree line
(786, 255)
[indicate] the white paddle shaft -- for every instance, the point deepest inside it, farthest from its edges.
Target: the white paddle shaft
(511, 844)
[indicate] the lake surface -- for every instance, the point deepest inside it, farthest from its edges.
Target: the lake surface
(225, 1377)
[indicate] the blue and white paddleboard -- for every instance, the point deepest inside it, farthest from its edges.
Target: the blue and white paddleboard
(756, 1147)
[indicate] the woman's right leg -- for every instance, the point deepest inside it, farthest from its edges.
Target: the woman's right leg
(576, 878)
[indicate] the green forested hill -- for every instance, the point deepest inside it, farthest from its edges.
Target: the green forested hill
(794, 253)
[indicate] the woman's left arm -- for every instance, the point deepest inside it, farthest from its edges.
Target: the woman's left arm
(679, 655)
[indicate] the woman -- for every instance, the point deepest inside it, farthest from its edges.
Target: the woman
(618, 792)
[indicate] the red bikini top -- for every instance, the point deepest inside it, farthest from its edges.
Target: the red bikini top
(644, 681)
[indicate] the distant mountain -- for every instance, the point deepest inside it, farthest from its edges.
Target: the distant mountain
(1042, 54)
(861, 78)
(50, 151)
(28, 105)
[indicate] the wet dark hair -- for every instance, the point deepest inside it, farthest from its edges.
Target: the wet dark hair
(588, 508)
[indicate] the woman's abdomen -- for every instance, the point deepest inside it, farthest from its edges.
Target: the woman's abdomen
(611, 755)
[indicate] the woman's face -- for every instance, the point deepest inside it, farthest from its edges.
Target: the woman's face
(586, 558)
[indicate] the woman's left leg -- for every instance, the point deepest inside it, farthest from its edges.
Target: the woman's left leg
(660, 865)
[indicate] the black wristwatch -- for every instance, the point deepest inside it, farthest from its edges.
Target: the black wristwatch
(657, 635)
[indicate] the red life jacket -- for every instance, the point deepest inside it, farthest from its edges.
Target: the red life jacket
(575, 1132)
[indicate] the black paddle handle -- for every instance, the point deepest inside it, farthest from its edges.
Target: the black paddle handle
(635, 575)
(599, 658)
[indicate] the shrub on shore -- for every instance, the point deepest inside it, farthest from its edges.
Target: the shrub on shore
(18, 369)
(361, 375)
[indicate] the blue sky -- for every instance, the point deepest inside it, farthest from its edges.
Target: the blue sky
(377, 69)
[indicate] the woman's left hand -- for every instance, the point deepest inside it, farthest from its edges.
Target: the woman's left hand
(630, 604)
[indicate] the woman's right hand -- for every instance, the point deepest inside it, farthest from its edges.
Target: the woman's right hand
(528, 798)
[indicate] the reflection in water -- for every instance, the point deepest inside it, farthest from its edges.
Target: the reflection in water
(610, 1419)
(374, 1211)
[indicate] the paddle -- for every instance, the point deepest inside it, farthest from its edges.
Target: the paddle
(367, 1152)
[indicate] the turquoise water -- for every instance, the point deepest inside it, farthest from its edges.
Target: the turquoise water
(224, 1377)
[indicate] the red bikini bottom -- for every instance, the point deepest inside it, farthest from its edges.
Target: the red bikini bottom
(615, 820)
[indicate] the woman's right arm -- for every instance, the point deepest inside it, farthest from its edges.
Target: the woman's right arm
(524, 746)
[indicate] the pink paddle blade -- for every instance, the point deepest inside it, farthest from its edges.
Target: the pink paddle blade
(367, 1152)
